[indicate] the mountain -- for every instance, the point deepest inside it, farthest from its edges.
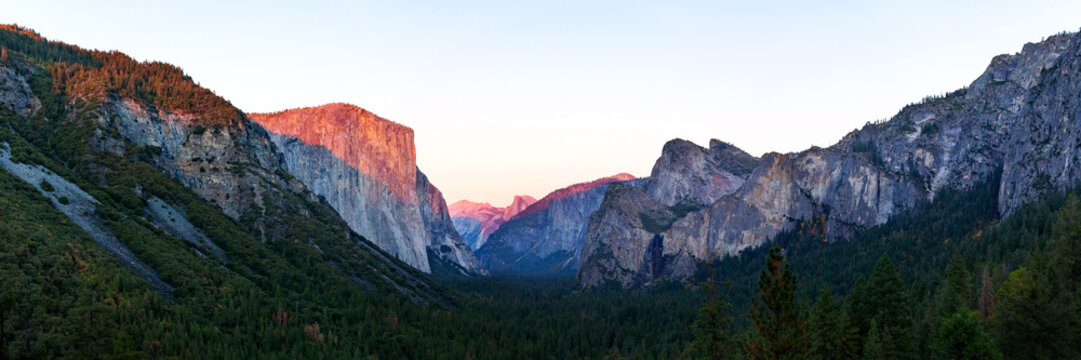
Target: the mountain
(475, 221)
(547, 236)
(684, 179)
(1014, 122)
(365, 167)
(126, 183)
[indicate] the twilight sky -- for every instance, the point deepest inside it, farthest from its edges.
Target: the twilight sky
(515, 97)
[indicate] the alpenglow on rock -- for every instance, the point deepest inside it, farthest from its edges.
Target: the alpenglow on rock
(1017, 124)
(475, 221)
(547, 236)
(365, 167)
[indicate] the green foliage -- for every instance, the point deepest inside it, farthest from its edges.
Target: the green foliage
(832, 335)
(961, 336)
(1043, 298)
(886, 298)
(713, 326)
(779, 323)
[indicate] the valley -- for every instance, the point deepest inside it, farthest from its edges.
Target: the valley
(144, 216)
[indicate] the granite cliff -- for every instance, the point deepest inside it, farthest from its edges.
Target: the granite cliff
(547, 236)
(365, 167)
(1015, 123)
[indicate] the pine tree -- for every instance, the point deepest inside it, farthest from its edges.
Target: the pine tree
(713, 325)
(955, 292)
(858, 309)
(779, 324)
(878, 344)
(832, 335)
(889, 305)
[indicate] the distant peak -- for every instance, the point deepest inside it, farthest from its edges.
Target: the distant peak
(519, 199)
(466, 208)
(562, 193)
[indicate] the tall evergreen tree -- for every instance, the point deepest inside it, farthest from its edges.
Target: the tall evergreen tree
(832, 335)
(888, 302)
(713, 325)
(879, 344)
(955, 292)
(858, 309)
(779, 324)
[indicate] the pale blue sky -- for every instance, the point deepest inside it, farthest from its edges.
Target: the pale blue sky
(513, 97)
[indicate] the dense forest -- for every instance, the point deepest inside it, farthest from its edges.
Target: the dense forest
(948, 279)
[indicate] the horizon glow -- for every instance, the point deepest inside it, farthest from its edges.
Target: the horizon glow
(510, 98)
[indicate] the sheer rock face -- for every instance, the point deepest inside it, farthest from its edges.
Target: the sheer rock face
(547, 237)
(1017, 120)
(365, 168)
(368, 143)
(475, 221)
(625, 238)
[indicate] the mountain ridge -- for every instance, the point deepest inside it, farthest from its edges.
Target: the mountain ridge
(950, 142)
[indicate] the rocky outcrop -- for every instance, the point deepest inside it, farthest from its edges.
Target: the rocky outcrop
(364, 167)
(475, 221)
(689, 173)
(625, 237)
(15, 94)
(1017, 120)
(546, 237)
(231, 167)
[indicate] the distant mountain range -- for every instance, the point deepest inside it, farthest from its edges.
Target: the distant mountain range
(475, 221)
(546, 237)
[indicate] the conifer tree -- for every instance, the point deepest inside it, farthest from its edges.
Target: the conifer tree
(956, 291)
(832, 335)
(889, 305)
(779, 324)
(878, 344)
(712, 326)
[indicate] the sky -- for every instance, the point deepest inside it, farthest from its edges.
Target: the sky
(516, 97)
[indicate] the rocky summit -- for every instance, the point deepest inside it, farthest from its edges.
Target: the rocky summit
(365, 167)
(547, 236)
(475, 221)
(1012, 125)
